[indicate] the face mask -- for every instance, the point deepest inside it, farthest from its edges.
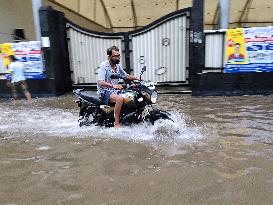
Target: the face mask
(115, 61)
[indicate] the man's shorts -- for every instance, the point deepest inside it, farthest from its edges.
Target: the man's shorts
(21, 84)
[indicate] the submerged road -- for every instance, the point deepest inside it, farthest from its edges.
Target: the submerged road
(218, 150)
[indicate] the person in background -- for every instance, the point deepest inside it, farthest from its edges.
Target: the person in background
(108, 89)
(18, 78)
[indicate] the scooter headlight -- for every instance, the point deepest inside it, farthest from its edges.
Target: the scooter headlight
(154, 97)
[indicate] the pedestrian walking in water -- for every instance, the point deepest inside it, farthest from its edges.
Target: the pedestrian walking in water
(18, 78)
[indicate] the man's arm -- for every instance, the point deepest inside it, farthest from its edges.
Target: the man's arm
(131, 77)
(104, 84)
(9, 68)
(101, 78)
(127, 76)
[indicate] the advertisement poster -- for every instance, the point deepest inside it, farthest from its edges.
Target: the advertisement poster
(2, 69)
(29, 53)
(251, 52)
(6, 51)
(235, 50)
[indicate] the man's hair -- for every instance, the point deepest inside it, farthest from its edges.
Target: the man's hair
(12, 58)
(237, 44)
(109, 50)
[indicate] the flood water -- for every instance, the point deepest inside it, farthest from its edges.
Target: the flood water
(218, 150)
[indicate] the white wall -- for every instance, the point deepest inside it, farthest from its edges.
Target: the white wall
(215, 50)
(16, 14)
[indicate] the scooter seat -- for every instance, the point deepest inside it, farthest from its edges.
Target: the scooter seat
(91, 97)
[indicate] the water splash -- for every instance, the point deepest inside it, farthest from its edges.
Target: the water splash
(46, 122)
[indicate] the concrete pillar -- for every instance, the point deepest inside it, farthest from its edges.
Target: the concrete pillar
(53, 25)
(197, 39)
(224, 14)
(36, 4)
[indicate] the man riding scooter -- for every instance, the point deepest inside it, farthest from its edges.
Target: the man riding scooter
(108, 89)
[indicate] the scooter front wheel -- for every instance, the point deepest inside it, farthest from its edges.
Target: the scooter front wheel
(159, 114)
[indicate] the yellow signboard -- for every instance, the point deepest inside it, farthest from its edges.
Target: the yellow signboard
(235, 45)
(6, 51)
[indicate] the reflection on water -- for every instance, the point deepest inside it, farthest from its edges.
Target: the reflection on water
(217, 150)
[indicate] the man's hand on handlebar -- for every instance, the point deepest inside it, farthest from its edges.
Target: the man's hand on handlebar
(131, 78)
(117, 87)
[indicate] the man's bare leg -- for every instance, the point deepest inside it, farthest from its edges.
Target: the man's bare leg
(28, 96)
(14, 92)
(24, 88)
(119, 101)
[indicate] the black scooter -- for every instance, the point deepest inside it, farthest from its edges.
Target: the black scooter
(139, 105)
